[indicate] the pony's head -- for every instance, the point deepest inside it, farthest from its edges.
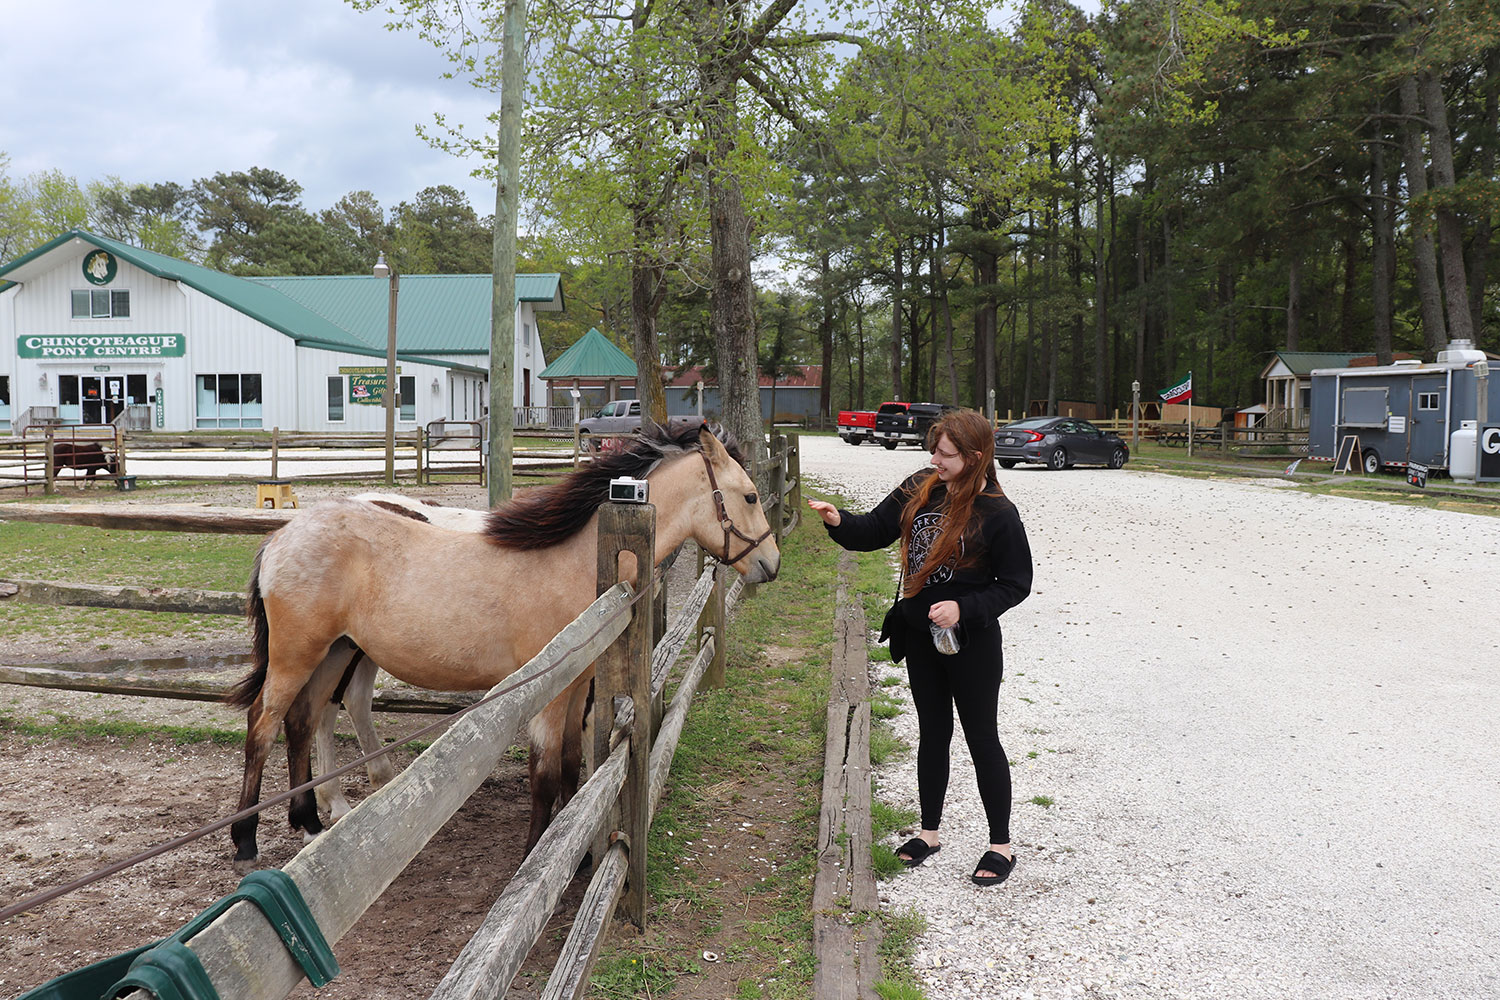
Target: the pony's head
(735, 530)
(701, 477)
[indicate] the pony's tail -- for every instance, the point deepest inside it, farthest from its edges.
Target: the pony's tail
(243, 694)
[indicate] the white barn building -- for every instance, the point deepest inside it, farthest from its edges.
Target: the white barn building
(91, 328)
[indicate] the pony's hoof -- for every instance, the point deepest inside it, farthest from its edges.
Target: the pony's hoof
(308, 838)
(245, 867)
(338, 811)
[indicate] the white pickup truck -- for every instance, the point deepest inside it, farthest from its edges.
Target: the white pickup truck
(619, 416)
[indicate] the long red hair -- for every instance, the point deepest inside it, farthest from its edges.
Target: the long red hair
(970, 433)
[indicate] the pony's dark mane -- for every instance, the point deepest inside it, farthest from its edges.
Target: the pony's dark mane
(549, 515)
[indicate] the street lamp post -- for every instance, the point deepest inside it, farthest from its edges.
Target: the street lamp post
(391, 396)
(1135, 414)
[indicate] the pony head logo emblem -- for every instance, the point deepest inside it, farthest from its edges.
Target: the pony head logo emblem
(99, 267)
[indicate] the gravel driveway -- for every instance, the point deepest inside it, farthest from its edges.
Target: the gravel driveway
(1267, 726)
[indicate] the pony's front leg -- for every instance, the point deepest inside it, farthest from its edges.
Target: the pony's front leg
(544, 765)
(579, 696)
(358, 698)
(330, 794)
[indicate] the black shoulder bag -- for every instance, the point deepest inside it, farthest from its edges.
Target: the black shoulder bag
(893, 626)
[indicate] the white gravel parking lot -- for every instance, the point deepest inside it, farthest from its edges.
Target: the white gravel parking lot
(1254, 741)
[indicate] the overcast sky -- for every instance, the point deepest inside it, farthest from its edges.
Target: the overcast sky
(175, 90)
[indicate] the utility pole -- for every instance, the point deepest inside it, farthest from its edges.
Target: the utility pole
(507, 207)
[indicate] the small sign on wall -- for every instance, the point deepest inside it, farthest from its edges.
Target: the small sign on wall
(161, 408)
(367, 385)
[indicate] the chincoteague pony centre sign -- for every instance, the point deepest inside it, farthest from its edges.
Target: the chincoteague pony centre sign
(122, 346)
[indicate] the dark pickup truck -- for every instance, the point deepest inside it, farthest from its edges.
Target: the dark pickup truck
(907, 423)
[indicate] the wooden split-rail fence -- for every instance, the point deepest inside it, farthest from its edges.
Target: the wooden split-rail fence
(348, 867)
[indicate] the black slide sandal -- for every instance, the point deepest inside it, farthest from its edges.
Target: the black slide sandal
(919, 850)
(993, 861)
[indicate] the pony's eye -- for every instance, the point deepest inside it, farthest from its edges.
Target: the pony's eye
(750, 499)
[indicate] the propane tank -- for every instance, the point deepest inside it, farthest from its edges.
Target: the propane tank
(1461, 450)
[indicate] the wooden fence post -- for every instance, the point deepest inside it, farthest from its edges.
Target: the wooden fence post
(120, 470)
(713, 617)
(794, 474)
(275, 450)
(778, 479)
(49, 486)
(625, 669)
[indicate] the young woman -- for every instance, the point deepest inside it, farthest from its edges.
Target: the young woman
(965, 561)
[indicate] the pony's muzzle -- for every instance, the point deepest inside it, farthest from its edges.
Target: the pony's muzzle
(763, 569)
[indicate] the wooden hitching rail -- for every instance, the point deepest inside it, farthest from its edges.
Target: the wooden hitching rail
(846, 938)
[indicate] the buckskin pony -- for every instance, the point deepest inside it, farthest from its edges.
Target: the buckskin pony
(461, 611)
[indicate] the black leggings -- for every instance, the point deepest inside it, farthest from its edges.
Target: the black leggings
(969, 679)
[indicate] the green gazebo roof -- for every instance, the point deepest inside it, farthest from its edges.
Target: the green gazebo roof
(591, 356)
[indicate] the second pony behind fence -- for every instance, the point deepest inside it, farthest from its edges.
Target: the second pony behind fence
(461, 611)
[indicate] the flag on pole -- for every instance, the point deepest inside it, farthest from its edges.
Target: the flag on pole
(1182, 392)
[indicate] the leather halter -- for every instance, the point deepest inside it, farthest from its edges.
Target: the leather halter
(727, 523)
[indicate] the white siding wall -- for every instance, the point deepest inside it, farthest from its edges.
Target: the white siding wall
(224, 341)
(314, 368)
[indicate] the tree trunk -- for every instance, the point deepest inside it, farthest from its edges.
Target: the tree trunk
(859, 332)
(825, 337)
(1383, 245)
(1424, 259)
(940, 289)
(1294, 301)
(1051, 330)
(731, 299)
(646, 287)
(1450, 230)
(1347, 333)
(1026, 393)
(1140, 291)
(986, 327)
(1101, 289)
(1479, 250)
(898, 276)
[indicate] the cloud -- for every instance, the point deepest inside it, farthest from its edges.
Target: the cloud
(177, 90)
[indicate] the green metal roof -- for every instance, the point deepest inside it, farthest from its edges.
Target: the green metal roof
(591, 356)
(435, 313)
(254, 300)
(1303, 362)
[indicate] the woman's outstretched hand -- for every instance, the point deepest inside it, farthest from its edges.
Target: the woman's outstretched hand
(827, 511)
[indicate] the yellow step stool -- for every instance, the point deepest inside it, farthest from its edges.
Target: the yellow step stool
(275, 493)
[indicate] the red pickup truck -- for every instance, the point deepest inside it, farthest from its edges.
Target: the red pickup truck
(857, 426)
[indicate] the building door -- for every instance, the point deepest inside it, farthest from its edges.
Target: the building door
(526, 387)
(114, 397)
(1428, 440)
(81, 398)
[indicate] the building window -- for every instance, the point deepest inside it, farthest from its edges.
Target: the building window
(4, 402)
(101, 303)
(407, 396)
(336, 399)
(228, 401)
(1427, 400)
